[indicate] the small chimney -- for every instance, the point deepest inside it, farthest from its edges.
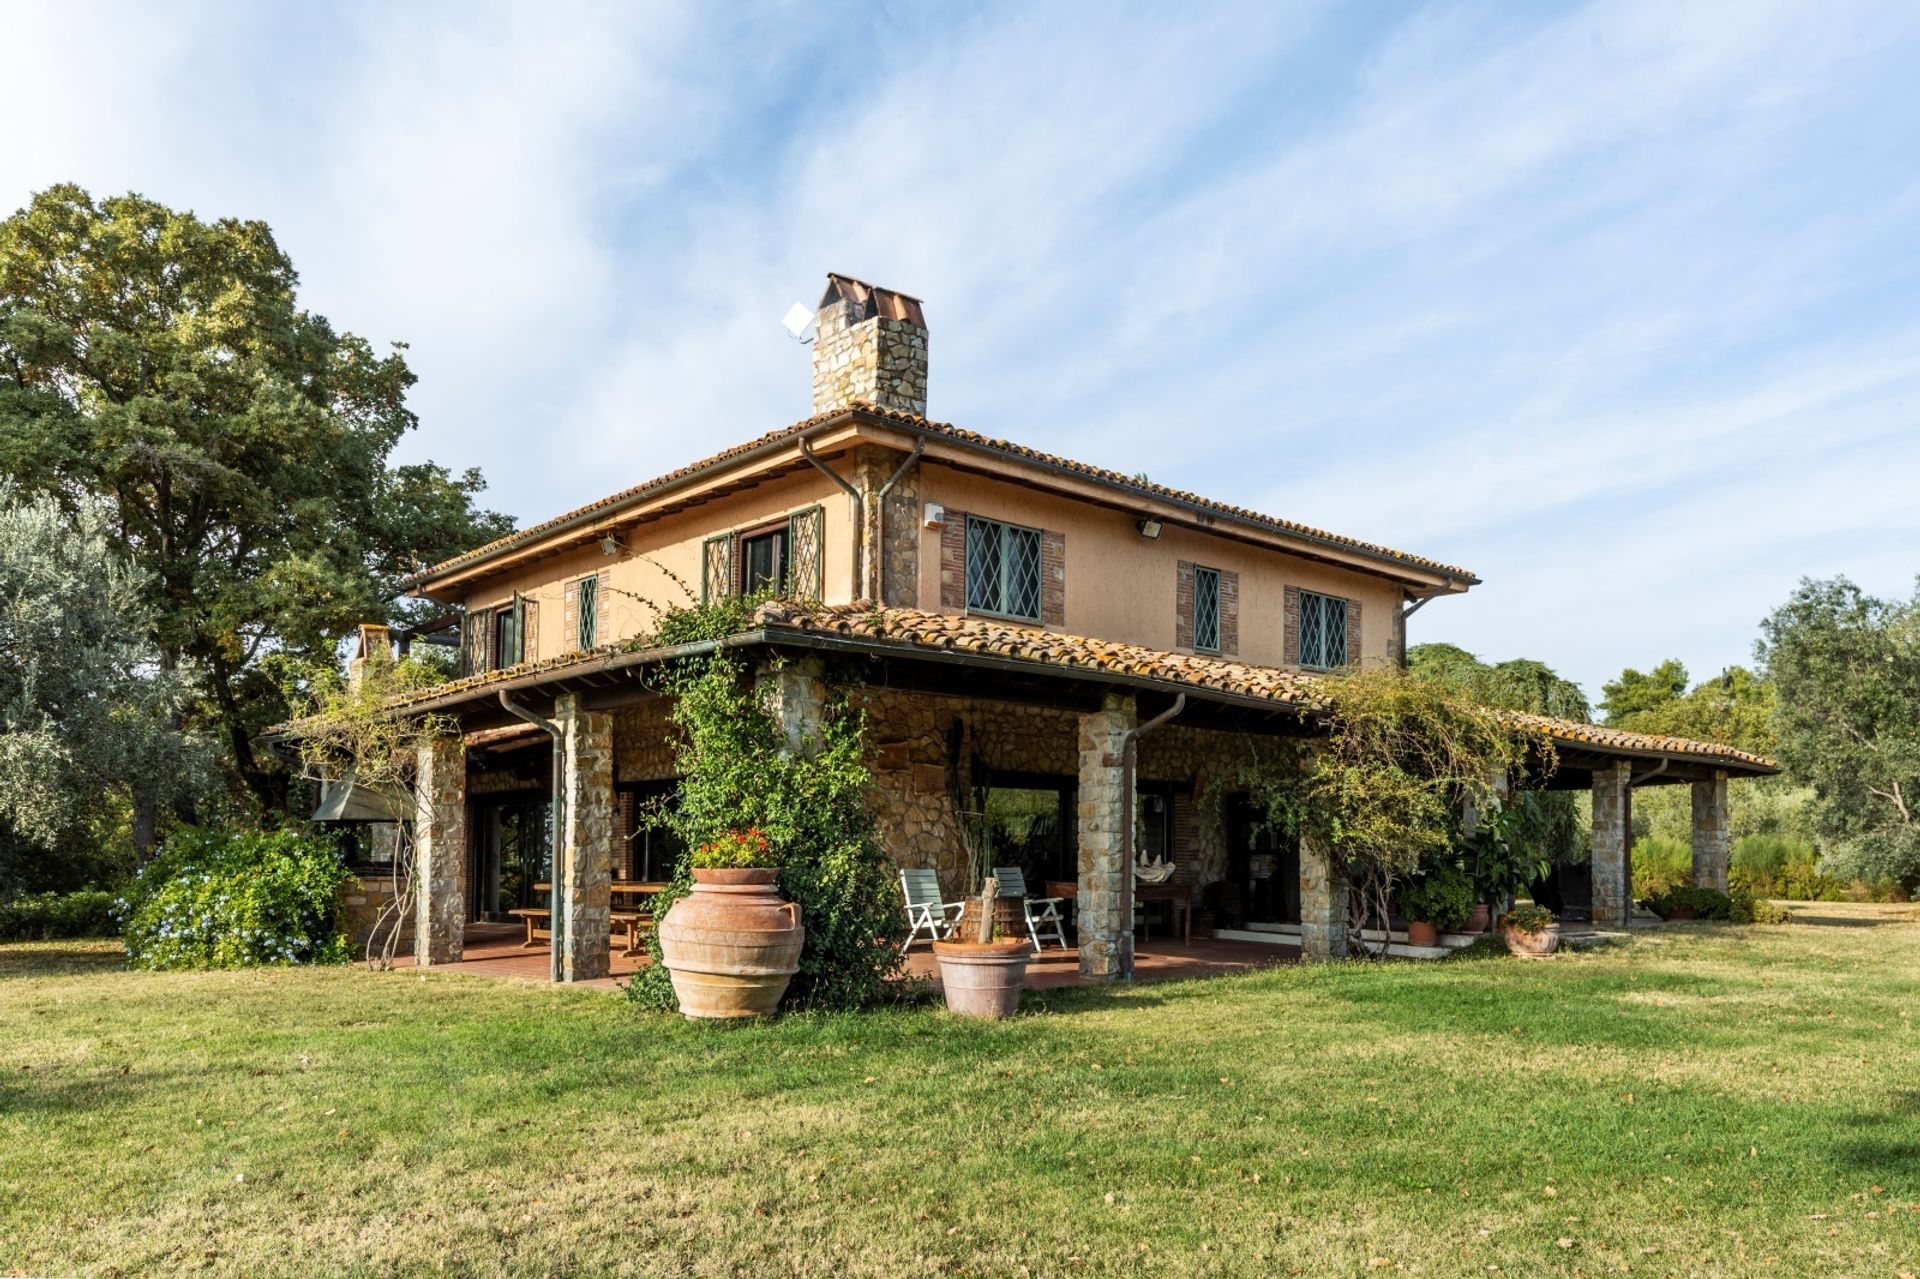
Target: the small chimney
(870, 346)
(374, 644)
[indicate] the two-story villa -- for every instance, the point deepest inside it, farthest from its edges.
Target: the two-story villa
(1016, 616)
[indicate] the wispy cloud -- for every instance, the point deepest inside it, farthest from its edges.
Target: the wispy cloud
(1611, 301)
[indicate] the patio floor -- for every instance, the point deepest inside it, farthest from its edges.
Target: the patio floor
(495, 950)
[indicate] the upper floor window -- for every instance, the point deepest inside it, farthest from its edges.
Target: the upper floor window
(587, 612)
(1206, 609)
(1323, 630)
(763, 562)
(509, 635)
(1003, 569)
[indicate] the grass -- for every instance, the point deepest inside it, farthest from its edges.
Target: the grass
(1706, 1100)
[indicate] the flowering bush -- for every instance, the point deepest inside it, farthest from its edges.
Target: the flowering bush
(1527, 918)
(221, 899)
(735, 850)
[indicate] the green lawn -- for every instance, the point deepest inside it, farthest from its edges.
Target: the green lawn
(1708, 1100)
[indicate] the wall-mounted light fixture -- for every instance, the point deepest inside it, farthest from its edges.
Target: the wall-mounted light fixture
(612, 544)
(1149, 529)
(936, 515)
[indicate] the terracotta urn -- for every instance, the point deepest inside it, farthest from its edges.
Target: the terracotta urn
(1535, 945)
(732, 944)
(1421, 933)
(1680, 914)
(1480, 920)
(984, 979)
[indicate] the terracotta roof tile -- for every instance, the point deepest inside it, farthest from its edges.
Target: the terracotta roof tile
(915, 629)
(958, 435)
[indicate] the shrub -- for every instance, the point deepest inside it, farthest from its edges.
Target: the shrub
(232, 899)
(1443, 898)
(1526, 918)
(1706, 903)
(52, 916)
(1744, 908)
(735, 850)
(1661, 862)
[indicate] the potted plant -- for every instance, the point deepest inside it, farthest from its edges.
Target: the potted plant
(732, 944)
(1499, 860)
(983, 977)
(1530, 930)
(1438, 902)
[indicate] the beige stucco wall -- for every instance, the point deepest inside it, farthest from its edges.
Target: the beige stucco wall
(1121, 585)
(660, 550)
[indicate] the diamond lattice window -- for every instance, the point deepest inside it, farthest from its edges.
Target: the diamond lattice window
(1003, 569)
(588, 612)
(1323, 630)
(804, 536)
(1206, 609)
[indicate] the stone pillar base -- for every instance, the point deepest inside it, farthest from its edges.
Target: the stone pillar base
(1323, 905)
(440, 853)
(1106, 939)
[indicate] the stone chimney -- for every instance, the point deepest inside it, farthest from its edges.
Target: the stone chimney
(373, 644)
(870, 345)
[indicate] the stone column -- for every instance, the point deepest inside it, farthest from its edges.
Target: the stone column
(1323, 904)
(1710, 836)
(1106, 939)
(582, 882)
(1612, 836)
(439, 853)
(795, 694)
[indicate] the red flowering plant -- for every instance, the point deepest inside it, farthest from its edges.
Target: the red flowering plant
(735, 850)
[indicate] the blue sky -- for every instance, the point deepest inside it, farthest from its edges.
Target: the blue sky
(1612, 303)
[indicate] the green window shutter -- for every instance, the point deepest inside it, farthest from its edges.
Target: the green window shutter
(806, 553)
(716, 567)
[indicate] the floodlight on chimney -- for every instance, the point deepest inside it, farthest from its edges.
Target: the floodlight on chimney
(798, 320)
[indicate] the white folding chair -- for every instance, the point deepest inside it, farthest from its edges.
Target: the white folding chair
(926, 912)
(1042, 913)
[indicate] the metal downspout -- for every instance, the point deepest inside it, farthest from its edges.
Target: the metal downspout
(876, 569)
(859, 508)
(1129, 760)
(561, 920)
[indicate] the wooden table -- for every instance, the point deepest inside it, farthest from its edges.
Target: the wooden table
(634, 921)
(1180, 896)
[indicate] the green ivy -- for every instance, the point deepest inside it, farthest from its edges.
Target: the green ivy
(235, 899)
(737, 773)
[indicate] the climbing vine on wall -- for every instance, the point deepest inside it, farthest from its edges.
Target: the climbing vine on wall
(1382, 789)
(737, 771)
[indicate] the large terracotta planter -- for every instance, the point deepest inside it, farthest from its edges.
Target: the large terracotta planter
(732, 944)
(1534, 945)
(1680, 914)
(1421, 933)
(984, 979)
(1480, 920)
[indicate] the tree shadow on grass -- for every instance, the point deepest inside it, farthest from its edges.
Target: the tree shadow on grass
(59, 958)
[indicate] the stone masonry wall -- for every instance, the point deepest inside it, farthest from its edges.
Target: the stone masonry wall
(1612, 872)
(440, 851)
(1105, 938)
(880, 360)
(1710, 832)
(586, 781)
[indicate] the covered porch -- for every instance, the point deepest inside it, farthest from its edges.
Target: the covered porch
(1089, 754)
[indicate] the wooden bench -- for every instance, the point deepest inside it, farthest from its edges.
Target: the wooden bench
(635, 923)
(632, 924)
(535, 917)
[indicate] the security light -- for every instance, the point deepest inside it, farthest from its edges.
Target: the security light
(612, 544)
(798, 320)
(1149, 529)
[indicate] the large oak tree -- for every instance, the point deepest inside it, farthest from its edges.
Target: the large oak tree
(163, 364)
